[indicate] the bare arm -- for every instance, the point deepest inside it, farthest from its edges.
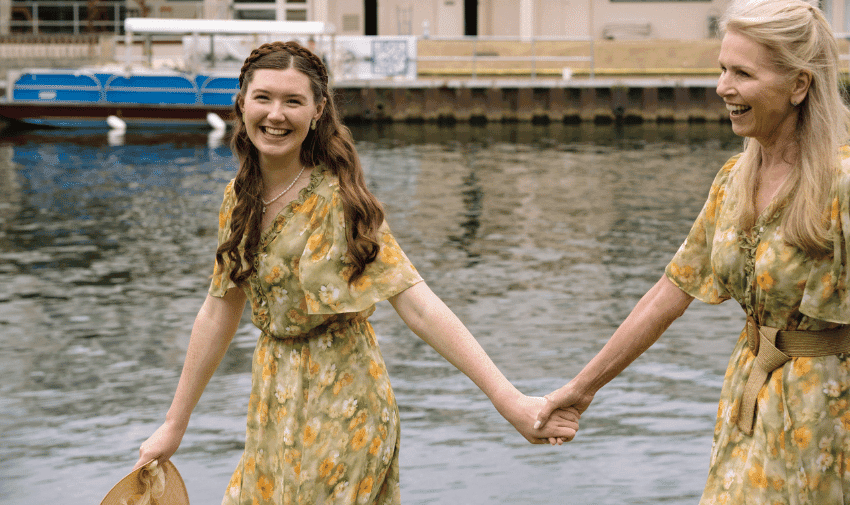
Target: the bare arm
(427, 316)
(212, 332)
(650, 318)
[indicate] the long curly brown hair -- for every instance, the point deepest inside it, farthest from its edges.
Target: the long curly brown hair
(330, 144)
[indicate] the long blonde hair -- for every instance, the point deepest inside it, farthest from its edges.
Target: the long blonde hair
(800, 40)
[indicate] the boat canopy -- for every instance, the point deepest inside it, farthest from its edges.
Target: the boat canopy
(147, 27)
(222, 26)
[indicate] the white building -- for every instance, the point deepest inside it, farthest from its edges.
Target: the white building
(664, 19)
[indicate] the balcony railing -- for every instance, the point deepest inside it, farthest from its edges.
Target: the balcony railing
(505, 56)
(53, 50)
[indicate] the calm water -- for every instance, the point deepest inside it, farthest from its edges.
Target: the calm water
(540, 238)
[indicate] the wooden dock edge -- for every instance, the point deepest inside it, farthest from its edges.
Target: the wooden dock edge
(531, 101)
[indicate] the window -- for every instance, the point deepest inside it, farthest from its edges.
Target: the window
(74, 16)
(296, 15)
(254, 15)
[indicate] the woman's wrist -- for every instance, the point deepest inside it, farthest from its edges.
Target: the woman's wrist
(176, 422)
(581, 387)
(505, 395)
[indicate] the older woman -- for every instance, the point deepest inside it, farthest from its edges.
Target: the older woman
(773, 235)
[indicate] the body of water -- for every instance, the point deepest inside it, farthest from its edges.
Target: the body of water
(540, 238)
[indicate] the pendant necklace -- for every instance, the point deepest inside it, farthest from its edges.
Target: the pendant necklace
(267, 203)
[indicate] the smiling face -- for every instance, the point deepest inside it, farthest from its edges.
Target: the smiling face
(277, 110)
(757, 95)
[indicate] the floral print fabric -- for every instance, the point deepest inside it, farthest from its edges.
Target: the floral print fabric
(323, 425)
(799, 452)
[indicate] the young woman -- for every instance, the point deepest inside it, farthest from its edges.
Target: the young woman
(305, 242)
(774, 235)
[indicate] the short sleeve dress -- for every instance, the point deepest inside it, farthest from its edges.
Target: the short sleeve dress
(799, 452)
(323, 425)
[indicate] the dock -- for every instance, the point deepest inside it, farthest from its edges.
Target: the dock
(539, 101)
(455, 81)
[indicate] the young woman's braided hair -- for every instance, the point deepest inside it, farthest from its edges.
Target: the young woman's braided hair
(330, 144)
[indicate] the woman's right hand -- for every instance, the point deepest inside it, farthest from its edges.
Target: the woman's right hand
(161, 445)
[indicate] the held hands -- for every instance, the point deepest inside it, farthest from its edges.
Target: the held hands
(567, 397)
(521, 410)
(161, 445)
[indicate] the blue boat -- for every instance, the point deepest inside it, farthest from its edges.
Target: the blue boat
(81, 98)
(139, 95)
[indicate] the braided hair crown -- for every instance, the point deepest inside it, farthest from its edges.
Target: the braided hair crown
(293, 48)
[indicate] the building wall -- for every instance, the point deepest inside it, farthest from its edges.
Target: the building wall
(551, 18)
(561, 17)
(840, 15)
(665, 20)
(500, 18)
(442, 18)
(5, 16)
(345, 15)
(635, 19)
(406, 17)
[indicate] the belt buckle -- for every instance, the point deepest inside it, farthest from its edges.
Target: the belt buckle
(753, 335)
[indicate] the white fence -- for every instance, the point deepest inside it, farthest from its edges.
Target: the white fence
(347, 57)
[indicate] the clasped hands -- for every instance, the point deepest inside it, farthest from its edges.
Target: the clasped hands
(553, 418)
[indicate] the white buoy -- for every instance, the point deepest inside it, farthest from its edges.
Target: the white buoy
(216, 122)
(115, 137)
(116, 123)
(215, 138)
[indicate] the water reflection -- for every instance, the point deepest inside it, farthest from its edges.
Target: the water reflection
(541, 239)
(10, 194)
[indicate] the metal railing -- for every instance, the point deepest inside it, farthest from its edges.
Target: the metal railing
(76, 17)
(476, 57)
(52, 50)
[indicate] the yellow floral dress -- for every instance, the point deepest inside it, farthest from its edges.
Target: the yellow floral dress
(323, 425)
(799, 452)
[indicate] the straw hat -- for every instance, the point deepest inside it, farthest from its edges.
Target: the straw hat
(152, 484)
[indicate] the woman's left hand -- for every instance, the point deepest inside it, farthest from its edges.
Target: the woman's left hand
(522, 411)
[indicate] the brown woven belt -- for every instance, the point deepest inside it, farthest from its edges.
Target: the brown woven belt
(773, 348)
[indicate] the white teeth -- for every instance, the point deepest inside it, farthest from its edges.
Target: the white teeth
(737, 109)
(276, 131)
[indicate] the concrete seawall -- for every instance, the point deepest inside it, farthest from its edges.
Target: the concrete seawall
(538, 101)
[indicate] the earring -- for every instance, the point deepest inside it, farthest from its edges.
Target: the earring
(313, 124)
(794, 104)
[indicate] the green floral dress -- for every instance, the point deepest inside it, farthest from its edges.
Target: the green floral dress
(323, 425)
(799, 452)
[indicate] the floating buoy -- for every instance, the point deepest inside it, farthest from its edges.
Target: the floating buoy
(216, 122)
(116, 123)
(215, 138)
(115, 137)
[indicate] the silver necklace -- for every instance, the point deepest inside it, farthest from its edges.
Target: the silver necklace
(267, 203)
